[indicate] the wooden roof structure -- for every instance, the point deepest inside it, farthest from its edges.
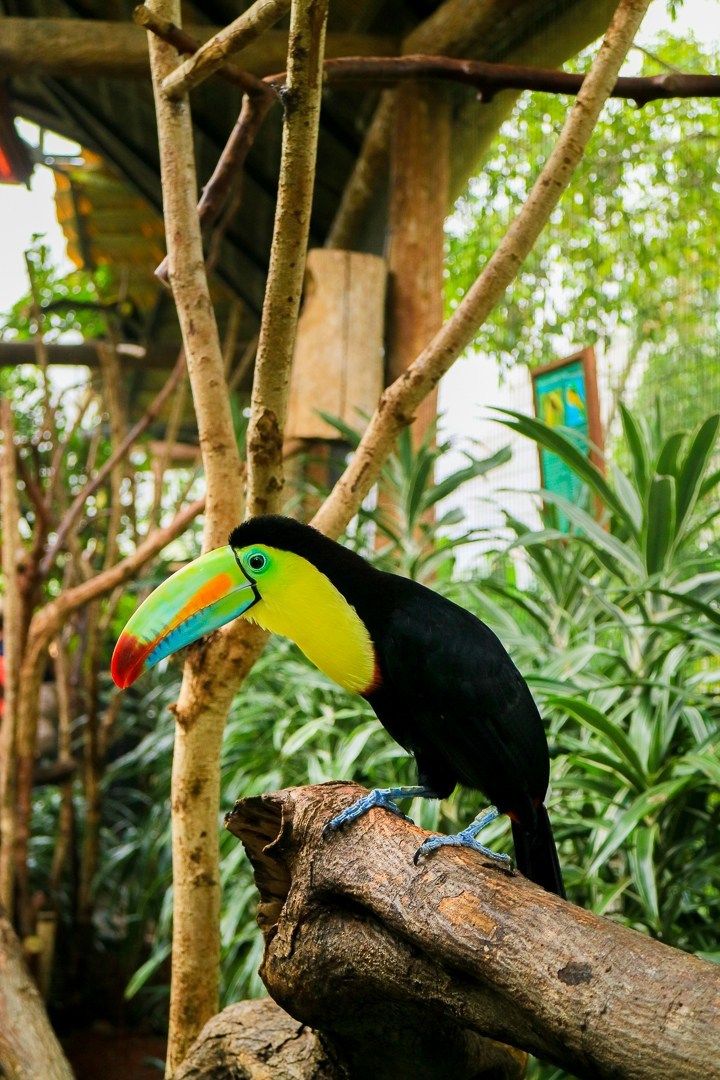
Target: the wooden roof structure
(80, 67)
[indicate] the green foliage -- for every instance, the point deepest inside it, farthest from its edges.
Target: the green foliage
(631, 245)
(419, 537)
(619, 634)
(68, 302)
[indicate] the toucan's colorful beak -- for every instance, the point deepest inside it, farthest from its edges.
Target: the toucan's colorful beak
(201, 597)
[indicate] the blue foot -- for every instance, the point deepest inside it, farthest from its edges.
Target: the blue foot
(466, 838)
(379, 797)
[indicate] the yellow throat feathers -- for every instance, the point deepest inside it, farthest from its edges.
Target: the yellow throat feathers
(301, 603)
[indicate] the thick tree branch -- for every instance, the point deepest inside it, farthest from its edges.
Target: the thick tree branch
(355, 931)
(246, 28)
(400, 400)
(262, 1040)
(283, 290)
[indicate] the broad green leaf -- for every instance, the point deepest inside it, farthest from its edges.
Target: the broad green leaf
(146, 971)
(561, 445)
(642, 865)
(451, 483)
(667, 462)
(602, 542)
(659, 523)
(594, 720)
(693, 467)
(647, 805)
(637, 446)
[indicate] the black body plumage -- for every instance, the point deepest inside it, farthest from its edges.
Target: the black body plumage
(448, 691)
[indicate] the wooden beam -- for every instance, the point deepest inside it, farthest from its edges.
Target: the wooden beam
(81, 48)
(420, 167)
(14, 353)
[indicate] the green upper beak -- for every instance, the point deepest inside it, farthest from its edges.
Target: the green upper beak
(204, 595)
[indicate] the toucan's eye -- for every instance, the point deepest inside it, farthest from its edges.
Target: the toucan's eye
(257, 562)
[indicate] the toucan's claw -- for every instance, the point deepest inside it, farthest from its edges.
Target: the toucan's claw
(466, 838)
(383, 797)
(357, 809)
(460, 840)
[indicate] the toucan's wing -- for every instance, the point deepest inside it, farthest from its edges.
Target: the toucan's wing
(462, 695)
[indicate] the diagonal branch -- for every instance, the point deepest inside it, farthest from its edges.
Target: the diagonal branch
(399, 401)
(281, 305)
(212, 55)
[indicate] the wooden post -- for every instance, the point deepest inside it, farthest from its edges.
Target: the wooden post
(418, 204)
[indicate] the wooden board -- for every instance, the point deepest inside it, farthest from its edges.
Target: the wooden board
(338, 367)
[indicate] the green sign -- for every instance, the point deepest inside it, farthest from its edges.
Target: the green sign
(561, 400)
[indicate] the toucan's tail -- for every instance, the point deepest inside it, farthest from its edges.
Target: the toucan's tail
(536, 854)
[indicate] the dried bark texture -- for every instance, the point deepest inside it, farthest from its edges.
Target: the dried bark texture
(278, 328)
(354, 932)
(255, 1040)
(12, 633)
(29, 1049)
(401, 399)
(246, 28)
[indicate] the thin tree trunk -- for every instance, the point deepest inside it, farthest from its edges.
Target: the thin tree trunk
(12, 634)
(208, 685)
(29, 1049)
(271, 383)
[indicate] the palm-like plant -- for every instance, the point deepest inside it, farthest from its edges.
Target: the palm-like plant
(622, 629)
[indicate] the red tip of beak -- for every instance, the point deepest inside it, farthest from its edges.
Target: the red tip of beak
(128, 660)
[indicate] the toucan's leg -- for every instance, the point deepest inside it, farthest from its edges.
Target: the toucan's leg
(466, 838)
(379, 797)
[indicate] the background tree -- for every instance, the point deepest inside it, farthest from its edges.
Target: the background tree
(632, 247)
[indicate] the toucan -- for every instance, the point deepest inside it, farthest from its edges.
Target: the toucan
(438, 678)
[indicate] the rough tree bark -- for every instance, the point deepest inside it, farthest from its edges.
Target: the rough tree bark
(358, 936)
(29, 1049)
(256, 1040)
(398, 403)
